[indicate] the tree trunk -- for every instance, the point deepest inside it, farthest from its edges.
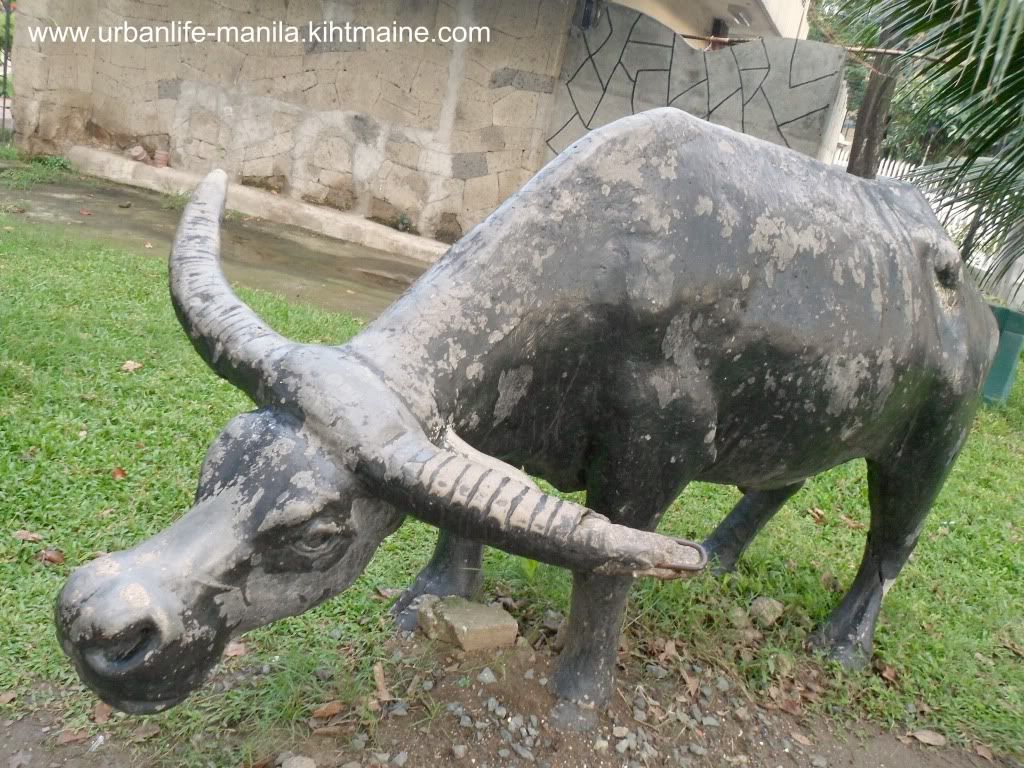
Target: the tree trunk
(967, 249)
(872, 118)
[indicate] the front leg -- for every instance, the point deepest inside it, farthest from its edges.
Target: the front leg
(585, 676)
(454, 569)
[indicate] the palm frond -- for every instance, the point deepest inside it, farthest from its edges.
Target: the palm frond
(973, 85)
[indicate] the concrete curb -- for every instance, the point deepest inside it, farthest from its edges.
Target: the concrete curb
(255, 202)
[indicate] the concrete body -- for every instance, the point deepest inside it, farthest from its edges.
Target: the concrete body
(668, 301)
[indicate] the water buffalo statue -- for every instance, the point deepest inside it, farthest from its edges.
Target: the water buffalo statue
(667, 301)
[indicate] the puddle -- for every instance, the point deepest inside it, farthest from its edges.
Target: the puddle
(338, 276)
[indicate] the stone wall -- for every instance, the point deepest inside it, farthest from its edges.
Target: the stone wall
(785, 91)
(428, 136)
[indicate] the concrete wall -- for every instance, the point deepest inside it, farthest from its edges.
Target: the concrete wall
(428, 136)
(436, 135)
(784, 91)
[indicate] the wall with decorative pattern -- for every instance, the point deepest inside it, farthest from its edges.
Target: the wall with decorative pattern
(789, 92)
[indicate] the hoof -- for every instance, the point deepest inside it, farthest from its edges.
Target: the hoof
(574, 716)
(406, 612)
(719, 564)
(851, 656)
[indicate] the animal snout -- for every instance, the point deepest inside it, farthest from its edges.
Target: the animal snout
(115, 624)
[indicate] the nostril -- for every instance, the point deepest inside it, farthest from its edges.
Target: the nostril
(125, 651)
(129, 647)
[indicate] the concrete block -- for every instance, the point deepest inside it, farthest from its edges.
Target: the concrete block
(522, 80)
(471, 626)
(473, 115)
(482, 192)
(505, 160)
(437, 163)
(333, 153)
(468, 165)
(510, 182)
(403, 153)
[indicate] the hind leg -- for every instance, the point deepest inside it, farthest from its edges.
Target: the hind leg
(901, 490)
(454, 569)
(734, 534)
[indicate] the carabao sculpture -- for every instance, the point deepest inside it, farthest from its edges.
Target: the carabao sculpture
(666, 302)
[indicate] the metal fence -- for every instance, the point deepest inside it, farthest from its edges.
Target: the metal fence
(6, 89)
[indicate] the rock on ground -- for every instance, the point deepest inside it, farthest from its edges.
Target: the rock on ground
(471, 626)
(765, 611)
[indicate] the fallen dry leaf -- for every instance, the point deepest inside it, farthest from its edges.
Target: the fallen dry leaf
(817, 515)
(101, 712)
(792, 706)
(931, 738)
(887, 673)
(145, 731)
(855, 525)
(265, 762)
(984, 752)
(71, 737)
(148, 245)
(118, 473)
(1016, 650)
(27, 536)
(235, 649)
(386, 593)
(328, 710)
(383, 694)
(7, 697)
(670, 653)
(84, 212)
(904, 739)
(50, 556)
(130, 366)
(692, 684)
(800, 739)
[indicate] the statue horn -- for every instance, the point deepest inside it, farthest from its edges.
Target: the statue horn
(229, 336)
(493, 503)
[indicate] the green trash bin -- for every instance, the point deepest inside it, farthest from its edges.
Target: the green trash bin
(1004, 368)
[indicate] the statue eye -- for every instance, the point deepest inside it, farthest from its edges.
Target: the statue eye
(320, 537)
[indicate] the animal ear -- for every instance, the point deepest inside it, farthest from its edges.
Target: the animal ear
(228, 335)
(481, 498)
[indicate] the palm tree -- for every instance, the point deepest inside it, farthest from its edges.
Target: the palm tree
(966, 58)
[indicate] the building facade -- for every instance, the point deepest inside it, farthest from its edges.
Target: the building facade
(427, 136)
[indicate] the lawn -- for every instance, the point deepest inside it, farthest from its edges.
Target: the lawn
(93, 458)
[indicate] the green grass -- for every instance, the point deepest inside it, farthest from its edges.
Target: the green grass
(7, 150)
(43, 169)
(71, 313)
(174, 202)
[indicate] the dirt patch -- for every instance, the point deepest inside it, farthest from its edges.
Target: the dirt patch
(443, 711)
